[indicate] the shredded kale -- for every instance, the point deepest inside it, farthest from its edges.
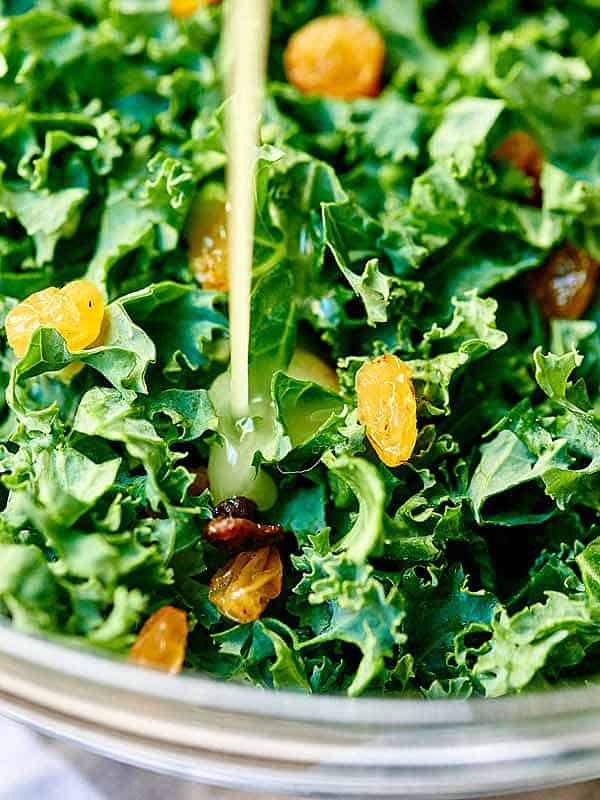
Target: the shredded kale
(384, 225)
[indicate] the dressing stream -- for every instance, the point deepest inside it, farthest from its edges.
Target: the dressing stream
(230, 468)
(245, 421)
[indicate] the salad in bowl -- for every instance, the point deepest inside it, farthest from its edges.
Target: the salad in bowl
(411, 505)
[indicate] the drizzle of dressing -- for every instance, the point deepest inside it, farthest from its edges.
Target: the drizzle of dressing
(245, 422)
(230, 468)
(246, 39)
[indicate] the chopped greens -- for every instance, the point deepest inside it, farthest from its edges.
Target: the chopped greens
(398, 224)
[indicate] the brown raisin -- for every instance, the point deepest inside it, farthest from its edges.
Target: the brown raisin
(268, 534)
(200, 482)
(230, 532)
(233, 533)
(565, 284)
(524, 153)
(237, 507)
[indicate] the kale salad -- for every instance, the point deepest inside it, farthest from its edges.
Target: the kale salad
(412, 506)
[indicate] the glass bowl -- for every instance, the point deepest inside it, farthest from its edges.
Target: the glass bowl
(238, 736)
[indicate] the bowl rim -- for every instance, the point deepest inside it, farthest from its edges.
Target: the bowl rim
(198, 689)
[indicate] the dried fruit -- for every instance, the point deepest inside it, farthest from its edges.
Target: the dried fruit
(237, 507)
(336, 56)
(243, 588)
(230, 532)
(564, 285)
(268, 534)
(200, 482)
(234, 533)
(186, 8)
(76, 311)
(161, 642)
(387, 407)
(207, 241)
(525, 154)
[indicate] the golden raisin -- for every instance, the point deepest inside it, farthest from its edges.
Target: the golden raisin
(336, 56)
(161, 642)
(76, 311)
(564, 285)
(187, 8)
(387, 408)
(90, 312)
(207, 243)
(525, 154)
(243, 588)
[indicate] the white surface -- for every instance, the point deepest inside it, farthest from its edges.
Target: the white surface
(35, 768)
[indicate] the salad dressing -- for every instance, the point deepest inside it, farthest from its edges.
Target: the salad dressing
(245, 419)
(246, 38)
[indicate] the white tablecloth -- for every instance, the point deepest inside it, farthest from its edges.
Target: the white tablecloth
(35, 768)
